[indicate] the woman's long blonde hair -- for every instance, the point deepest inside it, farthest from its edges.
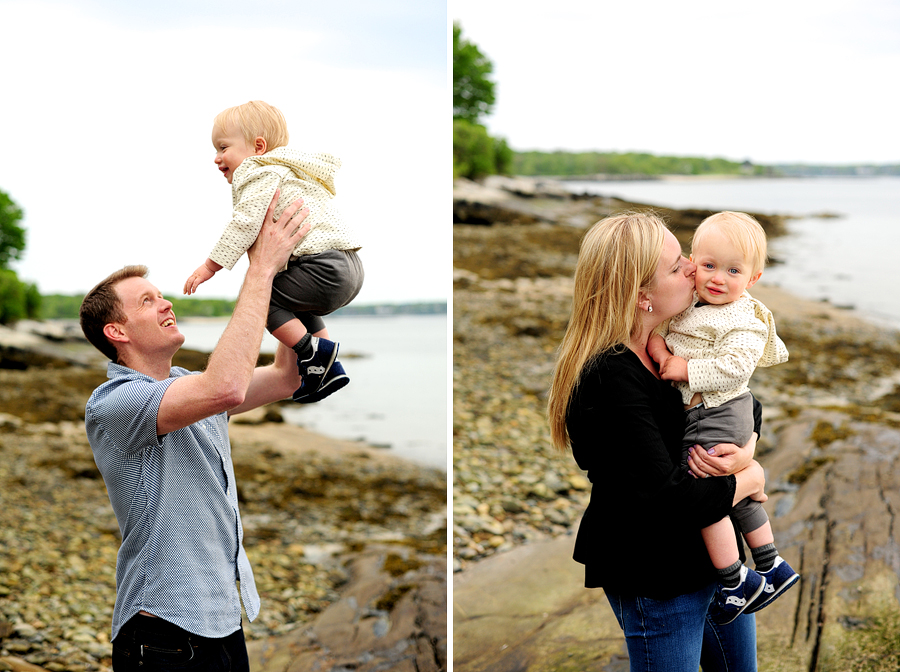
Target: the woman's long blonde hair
(618, 259)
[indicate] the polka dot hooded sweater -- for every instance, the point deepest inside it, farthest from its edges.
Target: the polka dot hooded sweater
(298, 175)
(723, 345)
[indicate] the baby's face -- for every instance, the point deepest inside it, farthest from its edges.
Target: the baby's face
(231, 149)
(722, 271)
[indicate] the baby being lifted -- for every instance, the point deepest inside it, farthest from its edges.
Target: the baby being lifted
(324, 272)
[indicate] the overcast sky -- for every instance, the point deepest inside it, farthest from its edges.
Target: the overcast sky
(770, 80)
(107, 109)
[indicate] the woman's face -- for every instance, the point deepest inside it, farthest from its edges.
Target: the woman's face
(674, 281)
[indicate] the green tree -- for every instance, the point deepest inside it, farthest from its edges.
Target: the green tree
(475, 153)
(12, 236)
(18, 299)
(473, 92)
(473, 150)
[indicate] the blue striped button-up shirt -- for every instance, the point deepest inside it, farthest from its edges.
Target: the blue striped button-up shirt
(176, 502)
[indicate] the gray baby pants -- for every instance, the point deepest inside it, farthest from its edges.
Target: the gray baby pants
(732, 422)
(314, 285)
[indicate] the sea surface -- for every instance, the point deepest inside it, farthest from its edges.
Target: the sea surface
(397, 396)
(852, 260)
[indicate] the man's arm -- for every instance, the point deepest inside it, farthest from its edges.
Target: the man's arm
(224, 384)
(272, 383)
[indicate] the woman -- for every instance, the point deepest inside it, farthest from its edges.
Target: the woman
(640, 537)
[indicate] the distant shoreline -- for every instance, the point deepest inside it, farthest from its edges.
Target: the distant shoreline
(690, 178)
(66, 306)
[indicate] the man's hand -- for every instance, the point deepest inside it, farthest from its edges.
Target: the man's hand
(277, 239)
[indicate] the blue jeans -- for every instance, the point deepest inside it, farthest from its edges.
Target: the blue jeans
(148, 644)
(677, 636)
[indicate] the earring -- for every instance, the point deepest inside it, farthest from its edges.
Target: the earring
(649, 308)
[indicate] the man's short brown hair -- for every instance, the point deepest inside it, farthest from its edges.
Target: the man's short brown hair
(101, 306)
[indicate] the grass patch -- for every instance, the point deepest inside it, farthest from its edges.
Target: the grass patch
(802, 473)
(871, 644)
(390, 599)
(825, 433)
(397, 566)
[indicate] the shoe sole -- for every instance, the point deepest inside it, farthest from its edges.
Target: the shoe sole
(774, 596)
(743, 610)
(331, 387)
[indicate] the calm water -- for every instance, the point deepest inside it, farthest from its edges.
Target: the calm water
(397, 394)
(849, 261)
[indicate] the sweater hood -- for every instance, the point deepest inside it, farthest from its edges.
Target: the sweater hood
(317, 167)
(775, 351)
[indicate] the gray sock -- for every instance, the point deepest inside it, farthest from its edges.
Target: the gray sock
(303, 348)
(764, 557)
(730, 577)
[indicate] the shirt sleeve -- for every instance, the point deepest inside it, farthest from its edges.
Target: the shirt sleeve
(252, 198)
(124, 415)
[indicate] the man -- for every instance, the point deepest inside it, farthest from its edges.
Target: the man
(160, 439)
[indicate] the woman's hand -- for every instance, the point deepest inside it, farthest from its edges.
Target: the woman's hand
(722, 459)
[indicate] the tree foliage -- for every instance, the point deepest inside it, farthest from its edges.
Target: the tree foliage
(18, 300)
(473, 91)
(623, 164)
(475, 153)
(12, 236)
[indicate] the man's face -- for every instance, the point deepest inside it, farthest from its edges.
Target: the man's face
(151, 323)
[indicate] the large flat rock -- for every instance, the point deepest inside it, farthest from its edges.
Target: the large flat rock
(833, 506)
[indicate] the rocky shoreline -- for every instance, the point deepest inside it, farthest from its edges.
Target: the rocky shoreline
(348, 544)
(830, 443)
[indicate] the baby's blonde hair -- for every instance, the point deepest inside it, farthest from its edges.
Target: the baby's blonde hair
(742, 230)
(256, 119)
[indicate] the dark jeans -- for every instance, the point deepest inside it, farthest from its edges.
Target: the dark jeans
(676, 635)
(147, 644)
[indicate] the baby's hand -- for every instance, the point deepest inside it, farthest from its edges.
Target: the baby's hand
(661, 357)
(657, 349)
(674, 368)
(198, 277)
